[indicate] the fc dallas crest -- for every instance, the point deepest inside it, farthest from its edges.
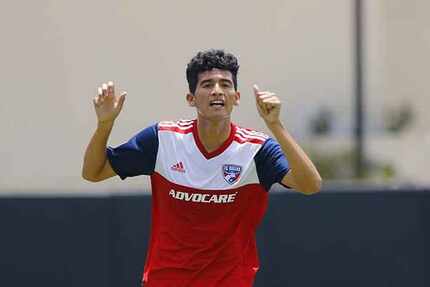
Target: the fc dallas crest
(231, 172)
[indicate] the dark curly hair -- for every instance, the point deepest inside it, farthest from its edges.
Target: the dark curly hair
(208, 60)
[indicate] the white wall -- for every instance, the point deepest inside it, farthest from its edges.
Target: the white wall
(53, 54)
(398, 66)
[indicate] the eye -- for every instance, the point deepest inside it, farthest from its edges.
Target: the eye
(226, 84)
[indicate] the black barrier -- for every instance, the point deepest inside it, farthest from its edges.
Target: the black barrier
(331, 239)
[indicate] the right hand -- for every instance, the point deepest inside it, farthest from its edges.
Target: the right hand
(107, 104)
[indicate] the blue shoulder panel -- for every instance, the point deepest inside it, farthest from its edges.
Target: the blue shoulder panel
(137, 156)
(271, 163)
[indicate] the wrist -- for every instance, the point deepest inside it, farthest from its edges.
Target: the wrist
(275, 125)
(108, 124)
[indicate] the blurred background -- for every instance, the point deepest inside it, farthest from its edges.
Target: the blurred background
(352, 75)
(54, 55)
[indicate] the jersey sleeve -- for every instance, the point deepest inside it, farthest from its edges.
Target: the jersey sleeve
(137, 156)
(271, 163)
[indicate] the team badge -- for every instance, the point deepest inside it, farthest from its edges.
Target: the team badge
(231, 172)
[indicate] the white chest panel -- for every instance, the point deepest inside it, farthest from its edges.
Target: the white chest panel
(179, 160)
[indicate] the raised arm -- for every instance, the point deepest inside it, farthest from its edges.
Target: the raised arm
(303, 176)
(107, 105)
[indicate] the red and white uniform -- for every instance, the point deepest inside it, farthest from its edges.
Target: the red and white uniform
(205, 206)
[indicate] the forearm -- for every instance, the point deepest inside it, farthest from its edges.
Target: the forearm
(304, 172)
(95, 154)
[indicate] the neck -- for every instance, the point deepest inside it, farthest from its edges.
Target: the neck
(213, 134)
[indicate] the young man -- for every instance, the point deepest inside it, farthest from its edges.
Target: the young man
(210, 178)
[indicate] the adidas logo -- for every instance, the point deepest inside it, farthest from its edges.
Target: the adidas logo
(178, 167)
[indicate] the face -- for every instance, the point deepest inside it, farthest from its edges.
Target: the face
(215, 95)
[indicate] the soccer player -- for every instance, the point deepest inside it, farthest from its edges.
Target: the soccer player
(210, 177)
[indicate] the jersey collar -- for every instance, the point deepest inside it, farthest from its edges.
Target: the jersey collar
(218, 151)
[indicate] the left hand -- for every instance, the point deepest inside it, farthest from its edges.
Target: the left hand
(268, 105)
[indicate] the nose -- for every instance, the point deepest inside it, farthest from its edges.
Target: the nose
(217, 90)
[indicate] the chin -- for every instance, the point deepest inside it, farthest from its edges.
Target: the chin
(216, 117)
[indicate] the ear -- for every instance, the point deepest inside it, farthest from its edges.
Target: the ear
(191, 100)
(237, 98)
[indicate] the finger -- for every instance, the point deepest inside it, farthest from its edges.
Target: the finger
(273, 100)
(264, 93)
(110, 89)
(272, 104)
(257, 93)
(262, 100)
(260, 110)
(104, 88)
(261, 106)
(270, 107)
(256, 89)
(263, 96)
(96, 101)
(270, 97)
(100, 97)
(121, 100)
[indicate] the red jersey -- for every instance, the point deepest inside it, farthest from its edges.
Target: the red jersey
(205, 206)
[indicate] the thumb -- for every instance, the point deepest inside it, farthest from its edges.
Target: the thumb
(121, 99)
(256, 89)
(262, 110)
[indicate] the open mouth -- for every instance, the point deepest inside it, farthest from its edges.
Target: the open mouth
(217, 103)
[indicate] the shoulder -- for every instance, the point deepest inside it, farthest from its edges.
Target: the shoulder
(179, 126)
(148, 133)
(247, 135)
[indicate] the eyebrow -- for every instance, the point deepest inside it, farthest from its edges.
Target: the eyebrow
(211, 80)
